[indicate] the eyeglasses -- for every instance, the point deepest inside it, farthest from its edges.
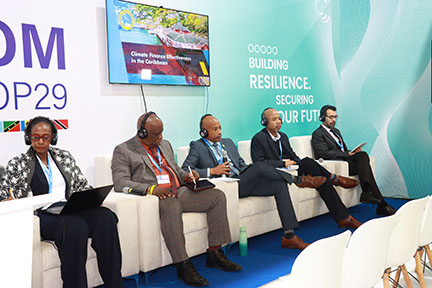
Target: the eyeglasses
(333, 117)
(45, 137)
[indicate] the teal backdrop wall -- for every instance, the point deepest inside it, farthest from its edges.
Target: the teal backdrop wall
(370, 58)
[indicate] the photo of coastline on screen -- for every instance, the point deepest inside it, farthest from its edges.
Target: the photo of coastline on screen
(155, 45)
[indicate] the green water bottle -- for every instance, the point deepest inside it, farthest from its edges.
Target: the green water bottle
(243, 242)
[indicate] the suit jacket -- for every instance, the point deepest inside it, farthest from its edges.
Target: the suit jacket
(132, 168)
(201, 156)
(264, 149)
(24, 174)
(326, 147)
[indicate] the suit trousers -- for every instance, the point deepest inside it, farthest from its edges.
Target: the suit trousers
(327, 192)
(71, 232)
(210, 201)
(359, 165)
(263, 180)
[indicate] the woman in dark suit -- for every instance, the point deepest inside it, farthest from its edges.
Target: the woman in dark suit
(44, 169)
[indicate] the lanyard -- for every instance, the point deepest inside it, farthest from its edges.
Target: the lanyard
(280, 148)
(48, 172)
(154, 162)
(218, 156)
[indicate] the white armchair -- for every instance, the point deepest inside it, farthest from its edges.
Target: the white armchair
(307, 202)
(46, 262)
(152, 251)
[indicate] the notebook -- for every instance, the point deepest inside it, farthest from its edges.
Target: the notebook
(80, 201)
(201, 185)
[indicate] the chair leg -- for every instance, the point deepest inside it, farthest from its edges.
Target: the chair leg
(419, 269)
(386, 275)
(406, 277)
(397, 277)
(429, 254)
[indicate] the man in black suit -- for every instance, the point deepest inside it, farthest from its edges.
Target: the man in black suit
(271, 146)
(328, 143)
(212, 156)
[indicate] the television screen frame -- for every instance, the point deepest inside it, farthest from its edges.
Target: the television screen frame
(137, 49)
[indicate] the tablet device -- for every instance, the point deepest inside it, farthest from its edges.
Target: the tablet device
(201, 185)
(359, 146)
(80, 201)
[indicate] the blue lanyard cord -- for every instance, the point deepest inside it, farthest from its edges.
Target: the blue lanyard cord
(48, 173)
(218, 157)
(154, 162)
(280, 148)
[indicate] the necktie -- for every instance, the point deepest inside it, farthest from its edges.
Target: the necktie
(233, 170)
(173, 182)
(218, 152)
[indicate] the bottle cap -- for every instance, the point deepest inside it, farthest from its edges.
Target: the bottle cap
(242, 229)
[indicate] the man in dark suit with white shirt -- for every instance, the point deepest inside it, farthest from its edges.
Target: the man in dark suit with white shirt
(272, 146)
(328, 144)
(212, 156)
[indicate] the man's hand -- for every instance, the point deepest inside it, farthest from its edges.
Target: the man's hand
(190, 178)
(221, 169)
(354, 151)
(162, 193)
(289, 162)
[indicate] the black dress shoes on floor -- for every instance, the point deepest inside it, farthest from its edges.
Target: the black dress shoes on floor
(367, 197)
(187, 273)
(386, 210)
(217, 259)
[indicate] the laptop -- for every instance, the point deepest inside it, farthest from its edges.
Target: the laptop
(80, 201)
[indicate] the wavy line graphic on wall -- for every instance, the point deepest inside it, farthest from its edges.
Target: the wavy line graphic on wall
(381, 87)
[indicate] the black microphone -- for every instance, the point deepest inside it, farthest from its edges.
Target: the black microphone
(133, 191)
(2, 171)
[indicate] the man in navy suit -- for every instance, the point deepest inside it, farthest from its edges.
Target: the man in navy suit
(212, 156)
(328, 143)
(271, 146)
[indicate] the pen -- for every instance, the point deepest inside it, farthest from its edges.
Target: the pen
(193, 178)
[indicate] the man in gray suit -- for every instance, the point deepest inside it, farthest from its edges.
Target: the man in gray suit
(146, 163)
(212, 156)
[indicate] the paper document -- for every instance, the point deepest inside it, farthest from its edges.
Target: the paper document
(289, 168)
(224, 179)
(359, 146)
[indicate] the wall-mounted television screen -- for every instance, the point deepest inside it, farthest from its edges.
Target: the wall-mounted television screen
(156, 45)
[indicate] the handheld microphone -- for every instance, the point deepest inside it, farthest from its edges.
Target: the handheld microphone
(133, 191)
(2, 171)
(224, 159)
(224, 156)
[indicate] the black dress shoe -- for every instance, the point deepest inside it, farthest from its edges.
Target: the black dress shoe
(187, 273)
(385, 210)
(217, 259)
(367, 197)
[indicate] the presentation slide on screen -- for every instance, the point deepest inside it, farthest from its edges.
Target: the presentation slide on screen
(155, 45)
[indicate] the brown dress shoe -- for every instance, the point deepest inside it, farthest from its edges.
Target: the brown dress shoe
(349, 222)
(294, 242)
(308, 181)
(344, 182)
